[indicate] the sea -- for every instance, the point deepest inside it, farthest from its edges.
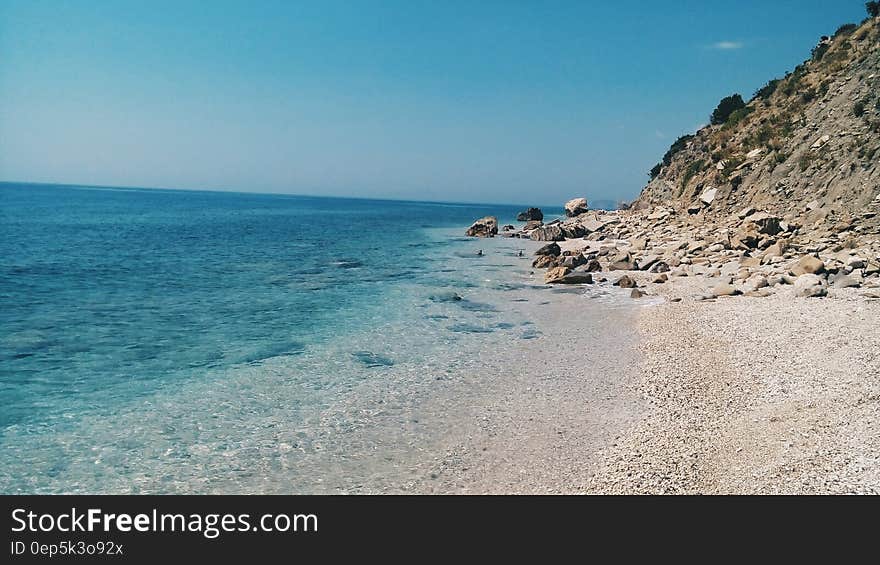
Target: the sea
(173, 341)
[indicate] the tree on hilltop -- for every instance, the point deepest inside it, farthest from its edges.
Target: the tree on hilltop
(873, 8)
(725, 108)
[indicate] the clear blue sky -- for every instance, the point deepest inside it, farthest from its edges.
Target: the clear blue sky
(469, 101)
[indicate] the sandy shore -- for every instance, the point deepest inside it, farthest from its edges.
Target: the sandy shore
(774, 395)
(761, 364)
(754, 395)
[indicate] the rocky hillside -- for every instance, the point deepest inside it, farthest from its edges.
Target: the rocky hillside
(778, 195)
(806, 147)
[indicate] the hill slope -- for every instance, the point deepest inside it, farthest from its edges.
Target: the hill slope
(806, 146)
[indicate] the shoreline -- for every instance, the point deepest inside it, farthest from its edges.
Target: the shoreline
(720, 397)
(562, 389)
(759, 364)
(497, 388)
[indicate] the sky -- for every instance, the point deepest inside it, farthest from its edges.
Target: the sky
(478, 101)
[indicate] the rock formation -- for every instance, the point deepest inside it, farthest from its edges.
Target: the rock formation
(530, 214)
(484, 227)
(576, 207)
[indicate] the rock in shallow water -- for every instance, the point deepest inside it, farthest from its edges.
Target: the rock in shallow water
(472, 306)
(484, 227)
(445, 297)
(470, 328)
(371, 360)
(544, 262)
(530, 215)
(274, 350)
(531, 334)
(577, 277)
(556, 274)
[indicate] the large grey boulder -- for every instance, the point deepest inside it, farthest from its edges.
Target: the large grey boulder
(573, 261)
(724, 289)
(809, 285)
(576, 207)
(572, 230)
(577, 277)
(645, 263)
(545, 262)
(530, 214)
(549, 249)
(592, 266)
(556, 274)
(622, 262)
(547, 233)
(484, 227)
(807, 265)
(708, 195)
(766, 223)
(846, 281)
(592, 225)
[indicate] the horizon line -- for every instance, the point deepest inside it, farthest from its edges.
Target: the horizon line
(298, 195)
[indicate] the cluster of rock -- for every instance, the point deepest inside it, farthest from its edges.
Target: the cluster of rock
(751, 253)
(576, 224)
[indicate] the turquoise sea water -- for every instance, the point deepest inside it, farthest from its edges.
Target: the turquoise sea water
(171, 341)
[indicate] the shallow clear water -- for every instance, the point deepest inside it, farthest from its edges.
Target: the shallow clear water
(173, 341)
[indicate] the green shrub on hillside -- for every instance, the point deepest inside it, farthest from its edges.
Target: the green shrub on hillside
(793, 79)
(859, 108)
(725, 108)
(767, 90)
(819, 51)
(806, 160)
(808, 95)
(873, 8)
(761, 137)
(676, 146)
(737, 116)
(845, 29)
(692, 169)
